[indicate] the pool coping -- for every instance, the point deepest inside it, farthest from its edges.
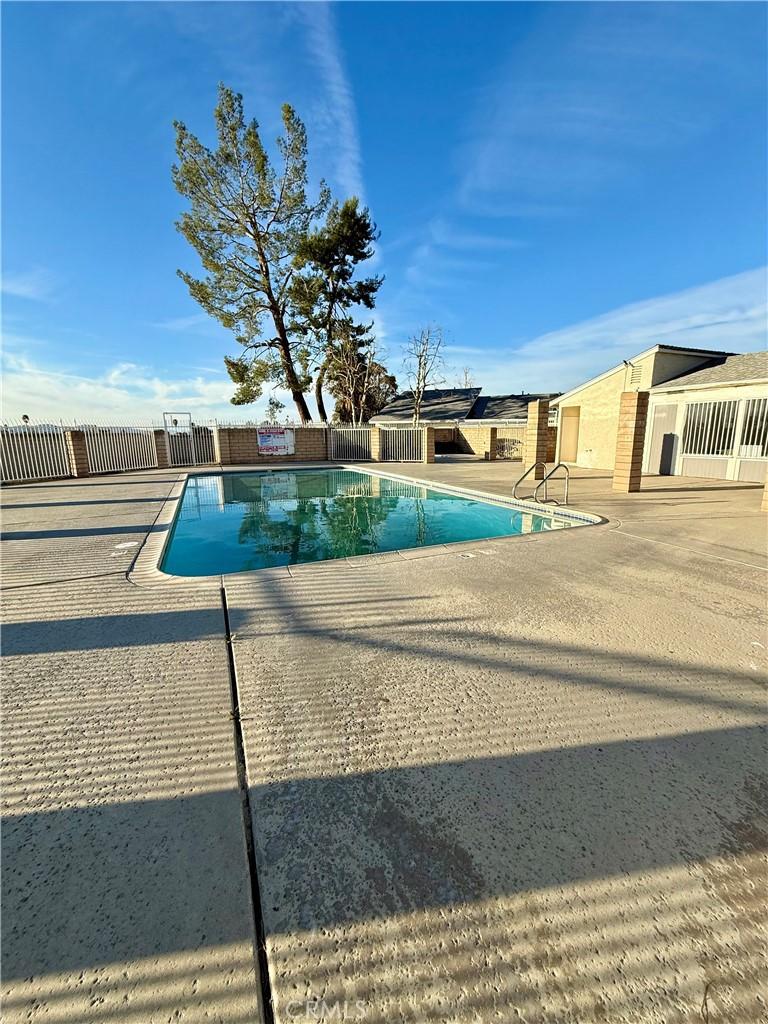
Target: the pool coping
(146, 572)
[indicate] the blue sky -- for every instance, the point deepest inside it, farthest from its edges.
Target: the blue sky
(557, 185)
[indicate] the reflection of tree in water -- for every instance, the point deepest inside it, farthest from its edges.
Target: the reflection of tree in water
(421, 522)
(332, 515)
(280, 535)
(352, 523)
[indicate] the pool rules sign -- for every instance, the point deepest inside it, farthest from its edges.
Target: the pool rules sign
(275, 441)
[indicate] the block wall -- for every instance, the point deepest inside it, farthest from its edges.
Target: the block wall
(239, 446)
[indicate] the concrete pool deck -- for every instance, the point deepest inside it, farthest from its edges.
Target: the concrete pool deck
(521, 779)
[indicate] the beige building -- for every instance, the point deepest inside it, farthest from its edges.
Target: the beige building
(589, 413)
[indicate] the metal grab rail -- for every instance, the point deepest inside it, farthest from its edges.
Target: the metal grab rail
(525, 474)
(549, 475)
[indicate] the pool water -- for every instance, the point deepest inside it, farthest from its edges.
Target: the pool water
(231, 522)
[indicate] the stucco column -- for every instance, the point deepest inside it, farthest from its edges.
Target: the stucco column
(428, 447)
(77, 453)
(536, 436)
(633, 413)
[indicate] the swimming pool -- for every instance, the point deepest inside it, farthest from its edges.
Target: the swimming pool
(238, 522)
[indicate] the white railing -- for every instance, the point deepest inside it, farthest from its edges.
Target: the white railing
(349, 443)
(401, 444)
(205, 445)
(112, 448)
(710, 428)
(30, 452)
(754, 430)
(192, 446)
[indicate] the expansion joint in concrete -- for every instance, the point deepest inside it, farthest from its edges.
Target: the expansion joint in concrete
(260, 951)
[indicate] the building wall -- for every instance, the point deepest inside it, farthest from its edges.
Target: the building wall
(667, 365)
(598, 420)
(599, 402)
(477, 440)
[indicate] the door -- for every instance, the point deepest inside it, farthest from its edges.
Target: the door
(569, 433)
(661, 457)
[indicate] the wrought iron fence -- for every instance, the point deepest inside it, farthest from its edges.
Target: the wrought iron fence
(402, 444)
(33, 452)
(349, 443)
(112, 447)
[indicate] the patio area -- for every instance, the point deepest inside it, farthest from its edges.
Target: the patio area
(516, 779)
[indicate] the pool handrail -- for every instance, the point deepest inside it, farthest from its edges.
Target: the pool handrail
(548, 476)
(525, 474)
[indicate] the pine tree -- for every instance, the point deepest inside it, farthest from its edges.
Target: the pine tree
(325, 292)
(248, 221)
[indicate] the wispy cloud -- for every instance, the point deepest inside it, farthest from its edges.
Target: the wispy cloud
(126, 392)
(334, 112)
(182, 323)
(591, 92)
(37, 284)
(443, 232)
(730, 314)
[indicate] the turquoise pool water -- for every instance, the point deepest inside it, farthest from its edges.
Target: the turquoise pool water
(231, 522)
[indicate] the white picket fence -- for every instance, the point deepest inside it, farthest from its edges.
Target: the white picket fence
(33, 452)
(402, 444)
(349, 443)
(112, 448)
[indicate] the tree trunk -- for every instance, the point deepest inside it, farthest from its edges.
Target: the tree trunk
(319, 379)
(289, 371)
(301, 404)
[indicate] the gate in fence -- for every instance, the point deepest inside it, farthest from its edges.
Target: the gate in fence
(401, 444)
(30, 452)
(189, 444)
(349, 443)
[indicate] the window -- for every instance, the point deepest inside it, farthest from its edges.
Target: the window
(709, 428)
(754, 432)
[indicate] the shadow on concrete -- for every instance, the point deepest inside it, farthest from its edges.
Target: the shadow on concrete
(106, 632)
(696, 488)
(11, 506)
(106, 480)
(91, 531)
(586, 666)
(368, 846)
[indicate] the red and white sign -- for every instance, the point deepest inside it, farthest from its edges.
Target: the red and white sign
(275, 441)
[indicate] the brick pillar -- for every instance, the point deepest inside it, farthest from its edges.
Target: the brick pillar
(77, 453)
(225, 457)
(161, 447)
(490, 444)
(633, 413)
(536, 436)
(375, 444)
(429, 444)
